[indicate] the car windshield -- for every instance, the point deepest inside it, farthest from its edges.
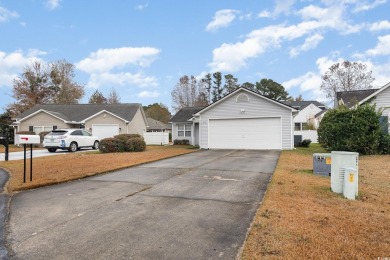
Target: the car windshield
(59, 132)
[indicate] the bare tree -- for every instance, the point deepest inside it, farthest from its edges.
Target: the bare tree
(31, 88)
(187, 92)
(65, 89)
(113, 97)
(97, 98)
(346, 76)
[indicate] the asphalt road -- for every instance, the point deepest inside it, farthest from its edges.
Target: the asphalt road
(195, 206)
(36, 153)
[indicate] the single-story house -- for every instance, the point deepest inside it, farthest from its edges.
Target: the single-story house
(102, 120)
(157, 126)
(242, 119)
(380, 97)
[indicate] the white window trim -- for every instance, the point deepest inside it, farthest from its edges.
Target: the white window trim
(42, 128)
(186, 129)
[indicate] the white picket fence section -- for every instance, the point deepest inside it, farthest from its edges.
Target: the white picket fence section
(159, 138)
(308, 134)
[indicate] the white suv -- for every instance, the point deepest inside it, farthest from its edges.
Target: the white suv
(69, 139)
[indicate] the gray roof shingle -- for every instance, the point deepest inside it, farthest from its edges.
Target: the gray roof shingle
(157, 125)
(80, 112)
(299, 105)
(351, 98)
(185, 113)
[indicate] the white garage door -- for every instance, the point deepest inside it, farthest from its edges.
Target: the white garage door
(104, 131)
(248, 133)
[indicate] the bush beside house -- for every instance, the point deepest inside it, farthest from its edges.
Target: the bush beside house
(354, 130)
(123, 143)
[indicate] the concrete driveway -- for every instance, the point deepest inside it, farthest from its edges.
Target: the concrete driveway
(195, 206)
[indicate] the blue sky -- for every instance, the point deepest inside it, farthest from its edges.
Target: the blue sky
(141, 48)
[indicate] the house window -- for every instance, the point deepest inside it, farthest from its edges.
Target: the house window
(297, 126)
(39, 129)
(184, 130)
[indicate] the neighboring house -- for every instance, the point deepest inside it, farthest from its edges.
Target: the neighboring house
(241, 120)
(379, 97)
(307, 120)
(102, 120)
(182, 128)
(157, 126)
(308, 113)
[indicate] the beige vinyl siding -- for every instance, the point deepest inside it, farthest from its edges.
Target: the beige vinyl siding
(138, 124)
(41, 119)
(106, 118)
(257, 107)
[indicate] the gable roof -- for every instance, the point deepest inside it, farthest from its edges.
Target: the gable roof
(184, 114)
(375, 93)
(350, 98)
(155, 124)
(249, 91)
(80, 112)
(299, 105)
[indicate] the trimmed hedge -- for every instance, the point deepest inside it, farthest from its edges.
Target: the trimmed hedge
(135, 144)
(123, 143)
(181, 142)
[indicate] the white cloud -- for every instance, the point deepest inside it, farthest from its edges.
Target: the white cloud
(310, 43)
(309, 84)
(98, 80)
(362, 6)
(222, 18)
(108, 59)
(11, 64)
(231, 57)
(148, 94)
(379, 26)
(382, 47)
(281, 7)
(6, 15)
(53, 4)
(141, 7)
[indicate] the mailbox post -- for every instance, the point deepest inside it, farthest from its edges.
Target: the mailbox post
(28, 140)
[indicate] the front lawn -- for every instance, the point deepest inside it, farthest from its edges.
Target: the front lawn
(59, 168)
(300, 218)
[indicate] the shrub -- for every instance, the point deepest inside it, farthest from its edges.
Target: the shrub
(135, 144)
(354, 130)
(304, 143)
(384, 144)
(181, 142)
(108, 145)
(128, 136)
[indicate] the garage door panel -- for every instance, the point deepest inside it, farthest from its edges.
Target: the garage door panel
(248, 133)
(105, 131)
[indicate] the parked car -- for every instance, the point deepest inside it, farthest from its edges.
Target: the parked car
(69, 139)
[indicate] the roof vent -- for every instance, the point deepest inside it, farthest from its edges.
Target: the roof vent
(241, 98)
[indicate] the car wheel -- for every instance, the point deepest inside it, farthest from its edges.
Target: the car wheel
(52, 150)
(73, 147)
(95, 145)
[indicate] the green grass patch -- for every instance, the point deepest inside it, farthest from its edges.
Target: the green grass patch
(313, 148)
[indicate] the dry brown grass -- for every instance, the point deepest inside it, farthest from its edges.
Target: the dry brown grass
(301, 218)
(13, 148)
(62, 168)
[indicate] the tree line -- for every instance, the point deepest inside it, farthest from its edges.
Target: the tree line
(190, 91)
